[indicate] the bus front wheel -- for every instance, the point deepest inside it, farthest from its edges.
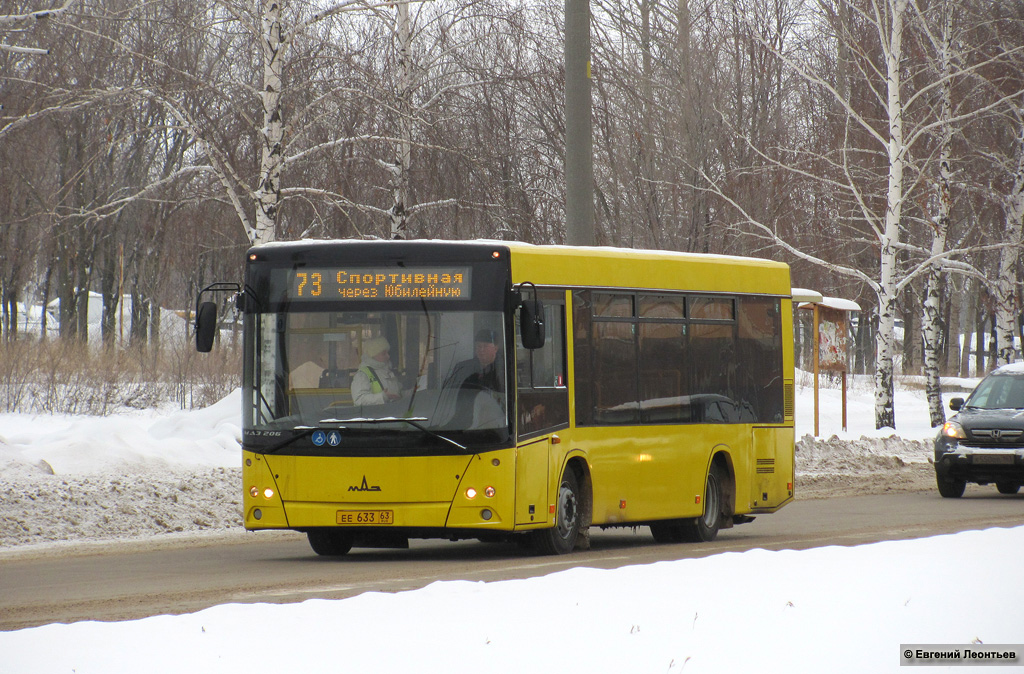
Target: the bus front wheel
(329, 543)
(561, 538)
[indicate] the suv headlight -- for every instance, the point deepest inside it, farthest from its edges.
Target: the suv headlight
(952, 429)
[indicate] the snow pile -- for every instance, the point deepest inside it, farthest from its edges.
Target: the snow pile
(76, 478)
(816, 456)
(126, 442)
(39, 508)
(868, 465)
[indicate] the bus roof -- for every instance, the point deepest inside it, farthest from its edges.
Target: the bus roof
(597, 266)
(646, 269)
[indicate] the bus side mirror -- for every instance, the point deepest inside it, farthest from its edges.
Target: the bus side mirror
(206, 326)
(531, 324)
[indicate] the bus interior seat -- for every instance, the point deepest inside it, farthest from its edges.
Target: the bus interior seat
(336, 378)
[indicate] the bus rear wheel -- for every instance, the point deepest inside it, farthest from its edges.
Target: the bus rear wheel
(561, 538)
(329, 543)
(705, 528)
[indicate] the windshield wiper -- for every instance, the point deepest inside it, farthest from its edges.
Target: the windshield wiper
(412, 421)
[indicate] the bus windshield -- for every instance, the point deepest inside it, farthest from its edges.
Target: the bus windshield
(384, 380)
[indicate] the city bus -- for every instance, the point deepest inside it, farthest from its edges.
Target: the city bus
(499, 390)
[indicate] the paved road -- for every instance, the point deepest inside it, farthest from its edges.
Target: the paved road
(139, 580)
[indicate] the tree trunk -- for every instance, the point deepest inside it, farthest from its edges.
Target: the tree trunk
(911, 342)
(45, 300)
(884, 386)
(1006, 281)
(885, 415)
(403, 161)
(109, 276)
(154, 329)
(268, 191)
(931, 307)
(979, 338)
(139, 333)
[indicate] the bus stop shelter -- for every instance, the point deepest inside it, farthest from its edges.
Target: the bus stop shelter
(831, 339)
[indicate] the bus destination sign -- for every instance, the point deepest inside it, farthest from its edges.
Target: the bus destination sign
(371, 283)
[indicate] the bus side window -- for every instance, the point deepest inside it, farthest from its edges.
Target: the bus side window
(543, 400)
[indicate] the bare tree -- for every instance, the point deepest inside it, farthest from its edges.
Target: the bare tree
(20, 23)
(887, 106)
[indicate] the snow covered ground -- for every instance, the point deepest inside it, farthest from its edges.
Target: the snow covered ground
(69, 481)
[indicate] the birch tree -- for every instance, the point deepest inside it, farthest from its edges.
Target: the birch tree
(276, 38)
(1005, 290)
(887, 80)
(943, 200)
(1007, 83)
(23, 22)
(882, 80)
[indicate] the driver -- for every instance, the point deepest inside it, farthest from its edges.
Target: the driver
(375, 383)
(483, 371)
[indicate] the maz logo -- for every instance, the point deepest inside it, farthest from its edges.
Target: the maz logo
(364, 487)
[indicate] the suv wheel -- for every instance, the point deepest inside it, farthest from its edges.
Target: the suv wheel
(1008, 487)
(950, 487)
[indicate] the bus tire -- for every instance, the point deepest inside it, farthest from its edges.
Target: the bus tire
(561, 539)
(668, 532)
(704, 528)
(329, 543)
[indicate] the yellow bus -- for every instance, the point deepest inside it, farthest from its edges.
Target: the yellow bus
(492, 390)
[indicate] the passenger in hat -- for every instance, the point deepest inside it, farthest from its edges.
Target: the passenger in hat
(375, 383)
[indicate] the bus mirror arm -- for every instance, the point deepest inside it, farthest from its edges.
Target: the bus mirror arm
(531, 319)
(206, 312)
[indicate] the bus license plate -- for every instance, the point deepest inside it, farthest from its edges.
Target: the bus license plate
(366, 517)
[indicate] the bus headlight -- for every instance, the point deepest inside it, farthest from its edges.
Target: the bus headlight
(268, 493)
(471, 493)
(489, 492)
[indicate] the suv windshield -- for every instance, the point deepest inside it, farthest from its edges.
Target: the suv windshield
(998, 392)
(439, 376)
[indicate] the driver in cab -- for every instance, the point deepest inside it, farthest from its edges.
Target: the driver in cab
(483, 371)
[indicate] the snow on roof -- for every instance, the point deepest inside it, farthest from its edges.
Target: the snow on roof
(805, 295)
(828, 302)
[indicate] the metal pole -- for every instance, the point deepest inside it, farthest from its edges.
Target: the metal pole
(844, 400)
(579, 156)
(817, 346)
